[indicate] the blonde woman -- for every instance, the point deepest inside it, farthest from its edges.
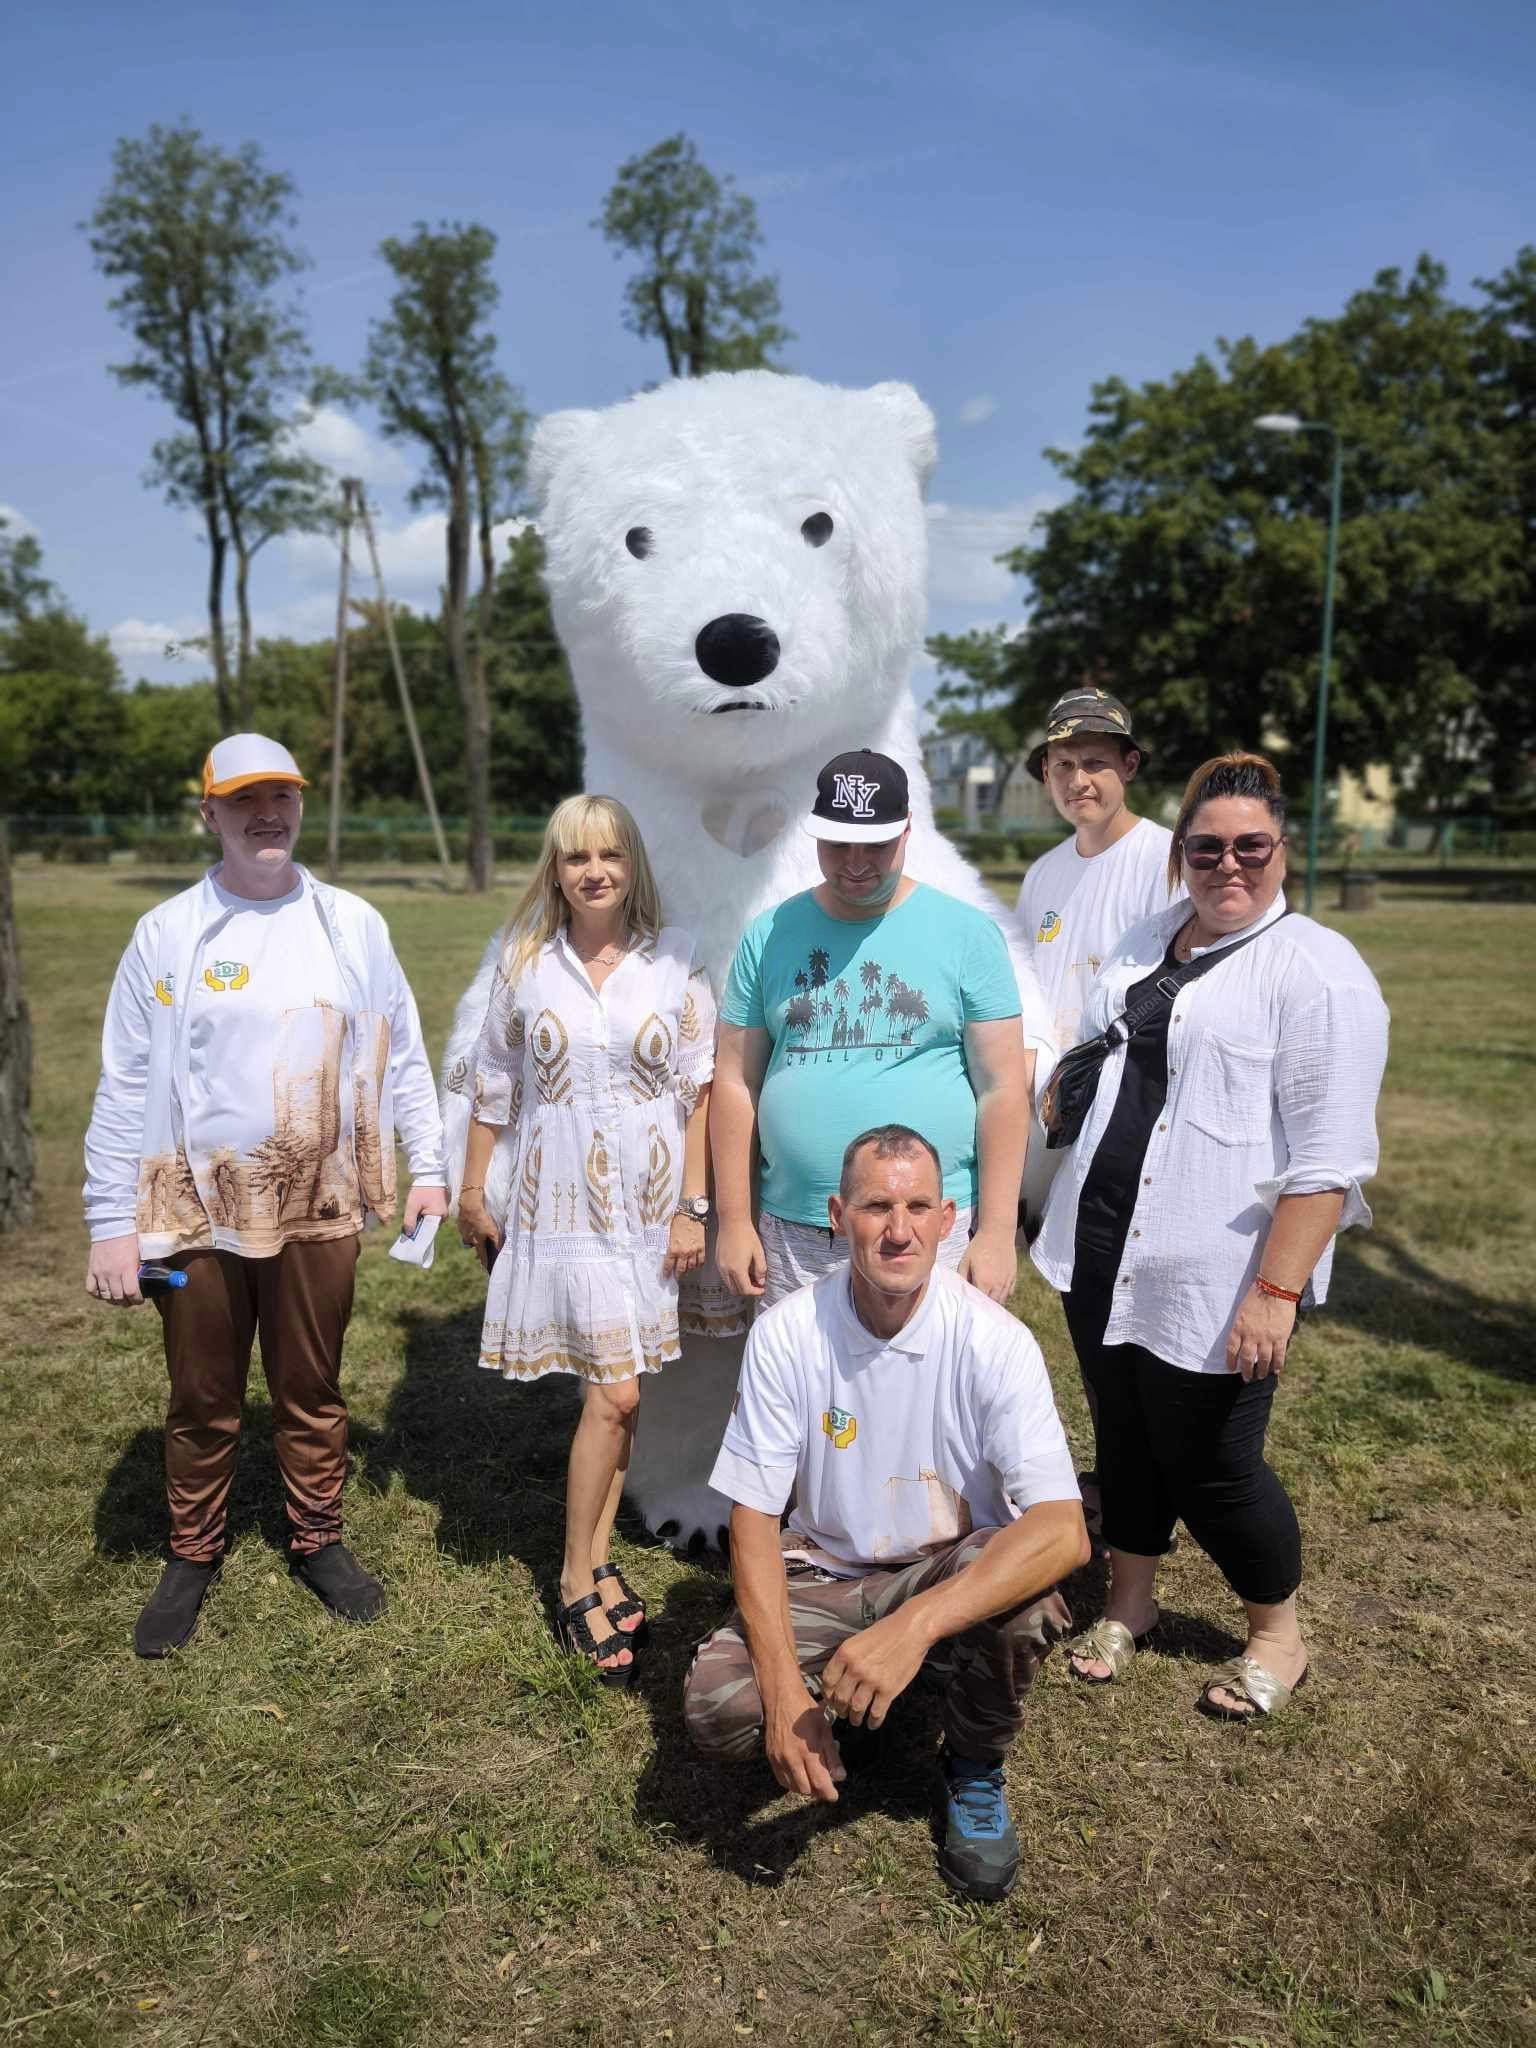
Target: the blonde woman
(598, 1047)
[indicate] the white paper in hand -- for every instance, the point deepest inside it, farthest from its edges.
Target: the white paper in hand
(414, 1248)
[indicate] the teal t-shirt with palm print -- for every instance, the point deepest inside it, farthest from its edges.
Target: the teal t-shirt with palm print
(866, 1020)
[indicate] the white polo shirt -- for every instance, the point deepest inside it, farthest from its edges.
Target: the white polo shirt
(894, 1447)
(1074, 908)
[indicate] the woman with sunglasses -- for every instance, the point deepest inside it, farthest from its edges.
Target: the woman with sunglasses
(1224, 1149)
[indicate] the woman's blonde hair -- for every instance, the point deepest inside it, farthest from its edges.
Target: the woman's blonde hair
(1249, 775)
(542, 910)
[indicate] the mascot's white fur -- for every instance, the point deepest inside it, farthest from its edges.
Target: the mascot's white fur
(736, 566)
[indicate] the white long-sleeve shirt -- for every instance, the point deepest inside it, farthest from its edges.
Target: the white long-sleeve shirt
(327, 1069)
(1275, 1062)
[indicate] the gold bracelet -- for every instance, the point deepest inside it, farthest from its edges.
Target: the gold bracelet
(472, 1187)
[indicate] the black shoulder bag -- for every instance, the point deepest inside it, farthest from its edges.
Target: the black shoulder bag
(1070, 1091)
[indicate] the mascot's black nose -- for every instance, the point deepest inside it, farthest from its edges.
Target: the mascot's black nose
(737, 649)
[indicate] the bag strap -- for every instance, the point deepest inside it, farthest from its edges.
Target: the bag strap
(1168, 986)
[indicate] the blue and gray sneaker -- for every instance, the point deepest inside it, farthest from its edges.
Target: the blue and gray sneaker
(980, 1857)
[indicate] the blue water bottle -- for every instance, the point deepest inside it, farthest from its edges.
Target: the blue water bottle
(156, 1279)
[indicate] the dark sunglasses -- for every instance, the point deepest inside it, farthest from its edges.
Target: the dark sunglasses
(1248, 849)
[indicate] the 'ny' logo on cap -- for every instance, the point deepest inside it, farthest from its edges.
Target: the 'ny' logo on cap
(854, 794)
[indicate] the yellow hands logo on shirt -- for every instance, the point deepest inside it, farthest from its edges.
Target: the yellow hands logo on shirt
(1050, 925)
(165, 989)
(226, 974)
(842, 1427)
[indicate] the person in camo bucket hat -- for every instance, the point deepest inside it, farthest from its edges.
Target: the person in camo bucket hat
(1088, 709)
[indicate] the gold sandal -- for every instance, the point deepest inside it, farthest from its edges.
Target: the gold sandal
(1250, 1681)
(1109, 1642)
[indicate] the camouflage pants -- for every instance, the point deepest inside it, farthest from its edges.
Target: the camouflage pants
(984, 1673)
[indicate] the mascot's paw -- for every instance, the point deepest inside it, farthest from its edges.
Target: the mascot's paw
(690, 1519)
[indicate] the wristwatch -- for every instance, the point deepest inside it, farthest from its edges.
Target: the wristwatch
(696, 1206)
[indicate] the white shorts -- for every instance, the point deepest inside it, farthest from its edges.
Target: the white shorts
(798, 1253)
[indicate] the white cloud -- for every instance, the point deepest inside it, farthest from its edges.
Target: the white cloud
(17, 524)
(976, 411)
(964, 541)
(345, 446)
(159, 649)
(411, 555)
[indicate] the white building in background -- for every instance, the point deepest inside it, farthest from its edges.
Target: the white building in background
(966, 778)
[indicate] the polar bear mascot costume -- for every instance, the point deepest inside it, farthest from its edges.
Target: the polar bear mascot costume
(736, 566)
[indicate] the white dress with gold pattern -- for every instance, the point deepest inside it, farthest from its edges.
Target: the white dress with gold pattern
(599, 1086)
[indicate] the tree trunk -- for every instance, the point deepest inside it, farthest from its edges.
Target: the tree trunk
(477, 714)
(218, 548)
(243, 650)
(15, 1066)
(477, 723)
(698, 329)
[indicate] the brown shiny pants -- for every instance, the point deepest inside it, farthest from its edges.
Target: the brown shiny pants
(299, 1302)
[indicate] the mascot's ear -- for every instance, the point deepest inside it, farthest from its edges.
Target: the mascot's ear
(558, 440)
(913, 424)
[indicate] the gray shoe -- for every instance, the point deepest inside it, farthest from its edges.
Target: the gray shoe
(169, 1615)
(980, 1857)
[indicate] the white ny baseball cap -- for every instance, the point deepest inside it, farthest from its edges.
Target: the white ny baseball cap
(244, 758)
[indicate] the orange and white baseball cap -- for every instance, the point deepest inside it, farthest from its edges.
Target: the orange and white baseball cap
(244, 758)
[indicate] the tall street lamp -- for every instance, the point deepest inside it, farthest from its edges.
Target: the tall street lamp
(1288, 423)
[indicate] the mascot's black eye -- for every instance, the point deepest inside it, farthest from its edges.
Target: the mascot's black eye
(817, 529)
(638, 541)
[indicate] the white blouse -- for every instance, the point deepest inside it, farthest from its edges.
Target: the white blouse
(1275, 1062)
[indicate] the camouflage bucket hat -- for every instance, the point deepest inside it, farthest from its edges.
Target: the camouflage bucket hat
(1084, 710)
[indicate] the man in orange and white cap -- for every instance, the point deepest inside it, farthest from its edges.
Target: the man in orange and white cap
(259, 1050)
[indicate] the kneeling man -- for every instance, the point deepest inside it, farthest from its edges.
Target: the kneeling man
(936, 1509)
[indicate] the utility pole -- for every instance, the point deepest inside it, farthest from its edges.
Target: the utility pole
(349, 486)
(423, 773)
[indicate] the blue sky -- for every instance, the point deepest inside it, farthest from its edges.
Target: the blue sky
(999, 203)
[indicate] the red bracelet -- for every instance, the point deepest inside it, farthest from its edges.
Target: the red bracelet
(1280, 1293)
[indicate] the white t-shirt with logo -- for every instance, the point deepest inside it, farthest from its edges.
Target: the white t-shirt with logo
(267, 1014)
(894, 1446)
(1074, 909)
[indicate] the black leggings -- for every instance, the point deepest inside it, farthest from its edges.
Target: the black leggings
(1175, 1445)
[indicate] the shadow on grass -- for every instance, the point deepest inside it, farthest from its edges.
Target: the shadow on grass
(722, 1808)
(130, 1516)
(489, 1453)
(1411, 1303)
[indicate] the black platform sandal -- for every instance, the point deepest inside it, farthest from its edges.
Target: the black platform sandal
(575, 1635)
(621, 1610)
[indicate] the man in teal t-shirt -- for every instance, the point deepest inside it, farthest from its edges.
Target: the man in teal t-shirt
(871, 999)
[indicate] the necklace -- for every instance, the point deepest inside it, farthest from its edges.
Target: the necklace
(605, 956)
(1184, 943)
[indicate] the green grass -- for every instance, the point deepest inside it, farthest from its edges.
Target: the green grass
(438, 1830)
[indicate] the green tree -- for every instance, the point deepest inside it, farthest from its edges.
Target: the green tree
(1506, 357)
(23, 586)
(61, 708)
(430, 371)
(1185, 571)
(197, 239)
(696, 237)
(535, 716)
(976, 695)
(61, 744)
(168, 729)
